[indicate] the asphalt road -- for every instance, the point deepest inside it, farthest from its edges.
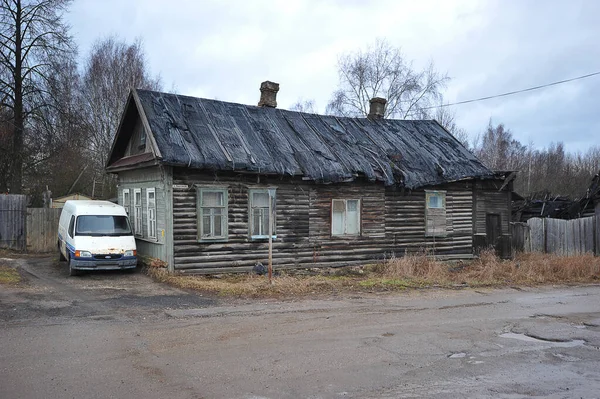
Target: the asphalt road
(119, 335)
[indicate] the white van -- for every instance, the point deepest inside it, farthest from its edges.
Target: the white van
(95, 235)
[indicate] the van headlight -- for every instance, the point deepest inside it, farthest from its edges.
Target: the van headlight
(131, 252)
(83, 254)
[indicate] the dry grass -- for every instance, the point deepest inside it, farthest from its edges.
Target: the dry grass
(535, 269)
(256, 286)
(410, 271)
(488, 269)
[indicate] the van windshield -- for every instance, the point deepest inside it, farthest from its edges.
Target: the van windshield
(102, 225)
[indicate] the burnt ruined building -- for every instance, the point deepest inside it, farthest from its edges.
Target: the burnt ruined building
(558, 207)
(202, 179)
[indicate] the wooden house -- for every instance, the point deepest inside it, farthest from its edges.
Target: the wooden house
(202, 180)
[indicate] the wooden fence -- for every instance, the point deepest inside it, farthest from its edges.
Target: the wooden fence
(42, 229)
(558, 236)
(13, 211)
(27, 229)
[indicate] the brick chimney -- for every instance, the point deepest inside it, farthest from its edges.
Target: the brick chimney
(377, 109)
(268, 94)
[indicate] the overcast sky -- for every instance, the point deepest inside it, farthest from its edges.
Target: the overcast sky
(225, 49)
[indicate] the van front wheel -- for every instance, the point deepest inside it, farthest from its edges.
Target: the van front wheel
(72, 270)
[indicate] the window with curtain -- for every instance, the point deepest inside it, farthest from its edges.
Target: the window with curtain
(212, 213)
(137, 211)
(259, 213)
(345, 217)
(151, 211)
(126, 200)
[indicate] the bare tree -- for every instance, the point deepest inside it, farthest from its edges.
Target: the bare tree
(499, 150)
(382, 71)
(546, 172)
(447, 119)
(60, 134)
(302, 105)
(112, 69)
(31, 32)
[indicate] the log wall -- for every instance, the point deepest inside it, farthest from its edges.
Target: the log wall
(392, 223)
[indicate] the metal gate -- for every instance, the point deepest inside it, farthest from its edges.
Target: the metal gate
(13, 216)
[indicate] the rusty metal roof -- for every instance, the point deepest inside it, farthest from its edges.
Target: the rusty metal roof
(217, 135)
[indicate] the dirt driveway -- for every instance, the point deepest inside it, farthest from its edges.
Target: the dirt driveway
(116, 335)
(50, 292)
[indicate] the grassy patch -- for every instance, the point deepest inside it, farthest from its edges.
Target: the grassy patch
(397, 274)
(389, 283)
(9, 275)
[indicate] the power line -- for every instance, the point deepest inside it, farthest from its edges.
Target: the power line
(515, 92)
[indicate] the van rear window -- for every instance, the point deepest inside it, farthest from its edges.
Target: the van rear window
(102, 225)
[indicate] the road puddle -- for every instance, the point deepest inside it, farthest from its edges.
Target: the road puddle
(557, 343)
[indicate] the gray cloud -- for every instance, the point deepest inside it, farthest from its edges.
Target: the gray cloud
(225, 49)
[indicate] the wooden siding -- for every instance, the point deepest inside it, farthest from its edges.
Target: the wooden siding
(392, 222)
(490, 200)
(144, 179)
(405, 221)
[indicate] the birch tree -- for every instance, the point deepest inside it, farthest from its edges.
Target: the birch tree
(111, 70)
(383, 71)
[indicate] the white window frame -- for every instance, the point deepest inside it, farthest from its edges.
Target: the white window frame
(203, 211)
(271, 191)
(435, 211)
(137, 212)
(127, 204)
(345, 217)
(151, 213)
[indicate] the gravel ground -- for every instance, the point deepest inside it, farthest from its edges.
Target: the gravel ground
(120, 335)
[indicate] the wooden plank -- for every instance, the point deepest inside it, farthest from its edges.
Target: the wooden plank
(42, 229)
(537, 234)
(589, 234)
(13, 208)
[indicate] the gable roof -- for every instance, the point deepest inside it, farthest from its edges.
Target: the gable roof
(217, 135)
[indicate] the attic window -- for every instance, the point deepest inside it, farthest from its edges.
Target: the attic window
(435, 213)
(142, 144)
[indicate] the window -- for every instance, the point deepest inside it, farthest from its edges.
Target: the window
(137, 211)
(259, 212)
(151, 211)
(72, 227)
(212, 213)
(126, 200)
(142, 144)
(102, 225)
(345, 217)
(435, 213)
